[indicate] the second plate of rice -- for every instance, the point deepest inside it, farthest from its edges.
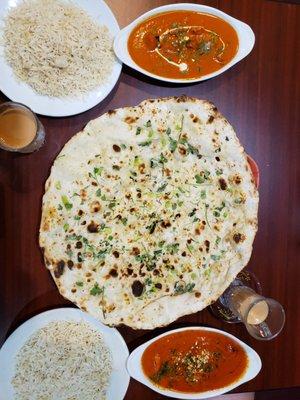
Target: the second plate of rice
(63, 354)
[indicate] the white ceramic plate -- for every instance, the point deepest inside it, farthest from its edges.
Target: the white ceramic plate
(56, 107)
(135, 370)
(245, 35)
(119, 380)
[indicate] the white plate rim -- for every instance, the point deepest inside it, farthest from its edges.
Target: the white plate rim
(55, 107)
(120, 378)
(135, 370)
(245, 34)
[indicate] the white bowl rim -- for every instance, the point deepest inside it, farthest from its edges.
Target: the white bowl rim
(245, 35)
(135, 371)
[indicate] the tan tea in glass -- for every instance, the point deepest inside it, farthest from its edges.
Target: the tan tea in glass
(242, 301)
(20, 130)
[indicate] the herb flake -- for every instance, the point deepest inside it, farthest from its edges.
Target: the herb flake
(96, 290)
(66, 202)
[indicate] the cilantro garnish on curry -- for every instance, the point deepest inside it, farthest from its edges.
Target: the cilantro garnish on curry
(183, 44)
(194, 361)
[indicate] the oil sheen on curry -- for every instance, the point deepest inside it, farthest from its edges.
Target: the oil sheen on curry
(183, 44)
(194, 361)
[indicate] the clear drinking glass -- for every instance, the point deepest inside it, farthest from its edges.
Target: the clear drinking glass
(38, 136)
(263, 317)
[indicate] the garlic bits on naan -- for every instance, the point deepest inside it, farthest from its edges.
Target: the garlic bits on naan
(149, 213)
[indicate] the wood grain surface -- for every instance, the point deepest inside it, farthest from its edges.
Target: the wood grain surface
(260, 97)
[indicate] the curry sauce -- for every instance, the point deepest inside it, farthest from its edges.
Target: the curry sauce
(183, 44)
(194, 361)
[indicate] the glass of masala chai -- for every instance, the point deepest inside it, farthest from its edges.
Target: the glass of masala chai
(20, 129)
(263, 317)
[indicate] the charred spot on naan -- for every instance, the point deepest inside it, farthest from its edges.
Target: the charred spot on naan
(50, 216)
(194, 118)
(59, 269)
(235, 179)
(83, 194)
(210, 119)
(238, 237)
(131, 119)
(93, 227)
(183, 99)
(95, 206)
(222, 184)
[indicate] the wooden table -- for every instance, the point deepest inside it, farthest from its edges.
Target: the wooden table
(260, 97)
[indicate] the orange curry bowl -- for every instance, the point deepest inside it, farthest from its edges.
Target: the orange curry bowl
(193, 363)
(182, 43)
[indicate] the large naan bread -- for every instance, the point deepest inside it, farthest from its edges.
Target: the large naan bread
(149, 213)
